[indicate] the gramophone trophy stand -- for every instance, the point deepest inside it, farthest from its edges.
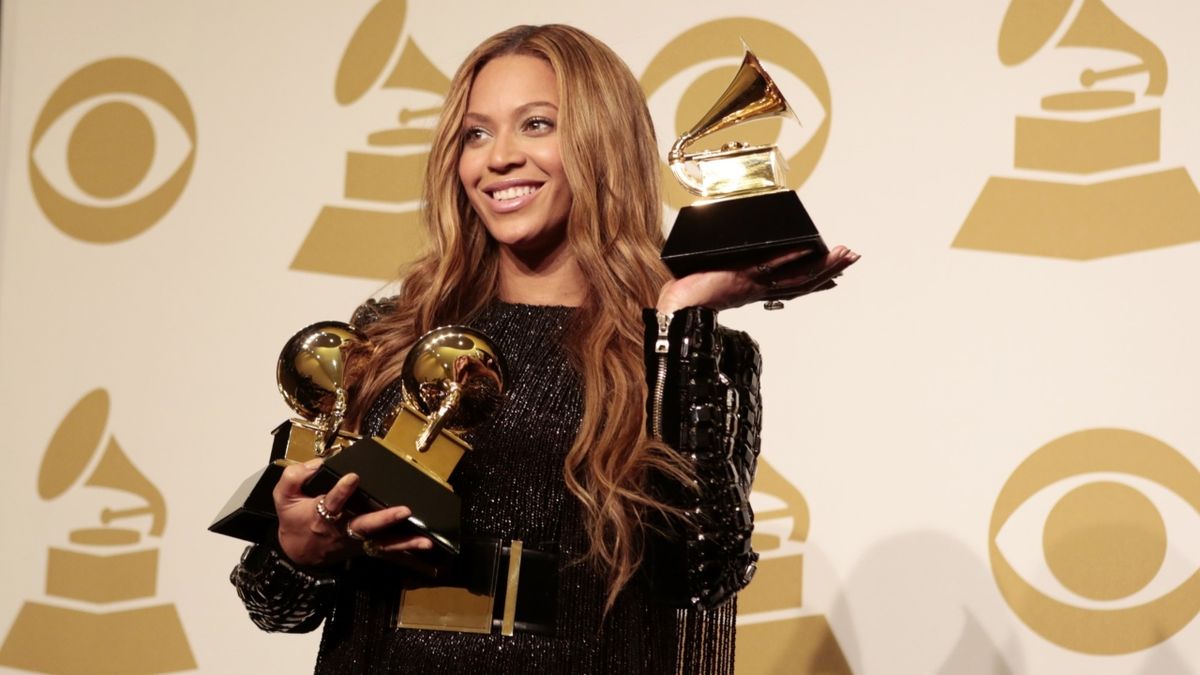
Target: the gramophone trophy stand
(746, 213)
(390, 472)
(250, 512)
(310, 374)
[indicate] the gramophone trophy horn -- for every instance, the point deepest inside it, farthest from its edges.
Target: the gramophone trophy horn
(752, 95)
(747, 212)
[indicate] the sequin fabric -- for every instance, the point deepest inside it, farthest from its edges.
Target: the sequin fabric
(512, 488)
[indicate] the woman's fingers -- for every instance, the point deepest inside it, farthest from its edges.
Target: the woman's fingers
(288, 489)
(371, 524)
(340, 493)
(403, 544)
(378, 534)
(807, 277)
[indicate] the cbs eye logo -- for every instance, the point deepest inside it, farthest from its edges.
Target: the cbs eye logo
(128, 138)
(1117, 567)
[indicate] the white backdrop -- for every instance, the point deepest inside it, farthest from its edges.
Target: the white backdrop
(899, 408)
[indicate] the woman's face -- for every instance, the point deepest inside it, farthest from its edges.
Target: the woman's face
(511, 167)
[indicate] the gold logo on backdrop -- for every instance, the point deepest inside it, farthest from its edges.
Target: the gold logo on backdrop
(122, 117)
(1098, 189)
(800, 642)
(1104, 541)
(707, 45)
(380, 225)
(107, 569)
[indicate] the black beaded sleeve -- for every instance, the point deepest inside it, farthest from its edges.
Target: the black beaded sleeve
(280, 597)
(704, 402)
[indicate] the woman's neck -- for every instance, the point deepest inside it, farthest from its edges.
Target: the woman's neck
(551, 280)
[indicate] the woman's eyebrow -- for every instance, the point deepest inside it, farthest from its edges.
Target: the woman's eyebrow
(524, 108)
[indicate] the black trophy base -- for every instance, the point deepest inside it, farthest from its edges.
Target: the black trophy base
(250, 512)
(739, 232)
(384, 480)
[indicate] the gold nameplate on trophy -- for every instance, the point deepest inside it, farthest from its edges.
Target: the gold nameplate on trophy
(746, 212)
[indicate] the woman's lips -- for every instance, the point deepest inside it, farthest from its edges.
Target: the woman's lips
(508, 198)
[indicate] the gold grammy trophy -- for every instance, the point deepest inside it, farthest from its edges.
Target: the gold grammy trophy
(104, 566)
(311, 372)
(1084, 136)
(452, 380)
(747, 212)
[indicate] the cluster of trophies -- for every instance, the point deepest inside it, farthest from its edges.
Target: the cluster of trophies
(452, 380)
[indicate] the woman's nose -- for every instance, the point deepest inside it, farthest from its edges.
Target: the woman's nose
(506, 153)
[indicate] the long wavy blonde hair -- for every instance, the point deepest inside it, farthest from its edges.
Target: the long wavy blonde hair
(614, 231)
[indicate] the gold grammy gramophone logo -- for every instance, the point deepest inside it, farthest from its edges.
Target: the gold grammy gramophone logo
(127, 133)
(775, 632)
(100, 613)
(1089, 182)
(379, 226)
(1117, 567)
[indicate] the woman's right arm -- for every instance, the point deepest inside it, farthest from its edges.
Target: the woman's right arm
(279, 596)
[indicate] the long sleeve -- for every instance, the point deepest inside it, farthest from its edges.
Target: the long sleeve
(279, 596)
(705, 403)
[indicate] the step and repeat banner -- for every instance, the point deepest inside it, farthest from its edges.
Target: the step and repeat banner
(980, 452)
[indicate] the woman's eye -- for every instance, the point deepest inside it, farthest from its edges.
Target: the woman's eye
(539, 125)
(473, 135)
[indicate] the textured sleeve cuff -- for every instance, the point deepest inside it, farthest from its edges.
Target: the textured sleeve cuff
(279, 596)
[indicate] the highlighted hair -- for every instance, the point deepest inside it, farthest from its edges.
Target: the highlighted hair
(614, 230)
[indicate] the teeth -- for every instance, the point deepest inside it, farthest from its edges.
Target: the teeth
(513, 192)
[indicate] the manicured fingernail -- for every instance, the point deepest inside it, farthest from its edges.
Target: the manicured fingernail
(426, 544)
(403, 512)
(313, 463)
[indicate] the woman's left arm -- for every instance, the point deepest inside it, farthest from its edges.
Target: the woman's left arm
(704, 403)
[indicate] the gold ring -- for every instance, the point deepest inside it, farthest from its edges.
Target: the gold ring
(763, 269)
(354, 535)
(326, 515)
(371, 548)
(773, 304)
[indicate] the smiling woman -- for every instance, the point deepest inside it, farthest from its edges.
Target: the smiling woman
(512, 170)
(612, 484)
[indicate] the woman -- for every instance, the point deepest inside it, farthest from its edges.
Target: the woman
(542, 205)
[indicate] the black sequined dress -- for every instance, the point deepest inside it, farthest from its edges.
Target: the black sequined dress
(512, 487)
